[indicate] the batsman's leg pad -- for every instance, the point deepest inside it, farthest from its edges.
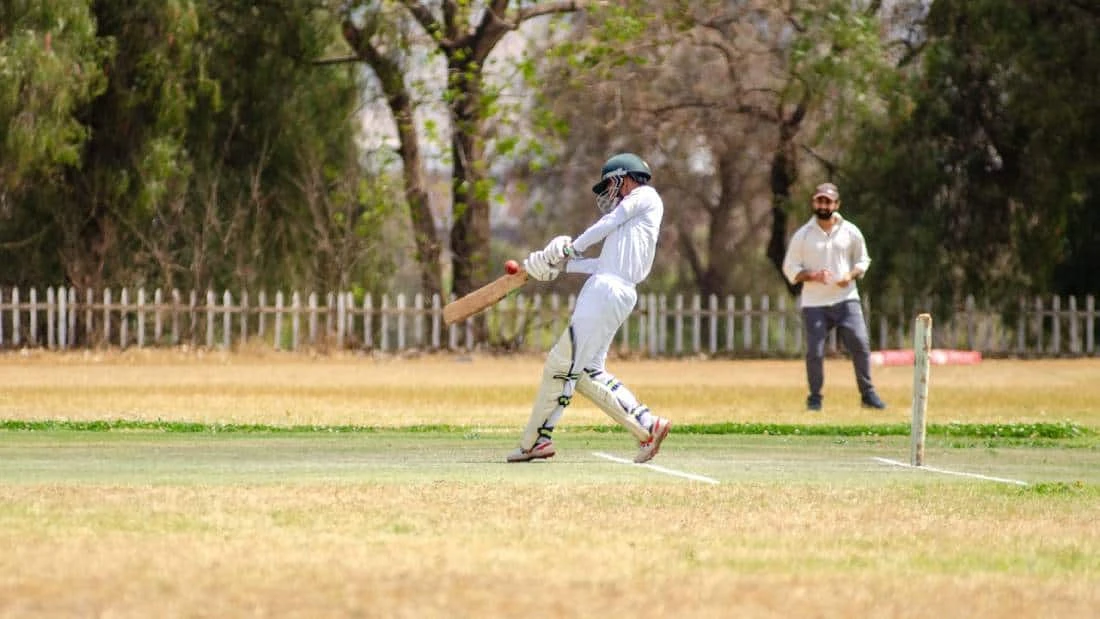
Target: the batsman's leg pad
(559, 379)
(613, 398)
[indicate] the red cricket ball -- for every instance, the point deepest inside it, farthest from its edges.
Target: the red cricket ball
(511, 267)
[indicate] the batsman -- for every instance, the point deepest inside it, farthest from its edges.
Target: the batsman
(632, 212)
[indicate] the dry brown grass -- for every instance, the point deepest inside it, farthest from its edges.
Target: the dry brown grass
(539, 545)
(488, 550)
(496, 390)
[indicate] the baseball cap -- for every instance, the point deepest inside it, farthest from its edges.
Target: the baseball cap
(828, 190)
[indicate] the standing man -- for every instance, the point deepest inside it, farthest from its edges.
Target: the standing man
(827, 254)
(629, 227)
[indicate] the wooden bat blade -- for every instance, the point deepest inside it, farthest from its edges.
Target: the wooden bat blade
(482, 298)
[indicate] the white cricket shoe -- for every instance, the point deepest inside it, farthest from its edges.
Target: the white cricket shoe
(544, 448)
(657, 433)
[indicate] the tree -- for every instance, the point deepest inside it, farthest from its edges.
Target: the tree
(205, 148)
(381, 36)
(988, 179)
(50, 67)
(734, 103)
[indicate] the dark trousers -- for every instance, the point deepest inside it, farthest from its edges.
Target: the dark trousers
(847, 318)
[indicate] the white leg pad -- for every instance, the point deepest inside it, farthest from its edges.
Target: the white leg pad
(559, 378)
(613, 398)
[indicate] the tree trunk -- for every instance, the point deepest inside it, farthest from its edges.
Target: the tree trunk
(471, 234)
(784, 173)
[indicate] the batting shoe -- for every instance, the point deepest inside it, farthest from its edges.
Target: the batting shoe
(657, 433)
(544, 448)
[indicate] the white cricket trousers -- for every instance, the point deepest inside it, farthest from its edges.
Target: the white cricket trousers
(604, 303)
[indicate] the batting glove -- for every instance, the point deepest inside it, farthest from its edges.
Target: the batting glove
(539, 267)
(558, 249)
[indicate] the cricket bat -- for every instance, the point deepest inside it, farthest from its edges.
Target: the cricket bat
(484, 297)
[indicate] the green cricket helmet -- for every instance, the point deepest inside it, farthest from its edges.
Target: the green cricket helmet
(621, 165)
(613, 174)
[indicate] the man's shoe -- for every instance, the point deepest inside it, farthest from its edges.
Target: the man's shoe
(813, 403)
(544, 448)
(872, 400)
(657, 434)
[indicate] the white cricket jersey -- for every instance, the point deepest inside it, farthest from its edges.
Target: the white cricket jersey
(629, 235)
(840, 250)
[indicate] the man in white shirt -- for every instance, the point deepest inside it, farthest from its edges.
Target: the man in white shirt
(827, 254)
(629, 228)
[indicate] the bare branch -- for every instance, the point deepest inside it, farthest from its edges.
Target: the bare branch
(337, 60)
(424, 17)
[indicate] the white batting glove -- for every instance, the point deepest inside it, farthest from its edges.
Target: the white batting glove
(558, 249)
(539, 267)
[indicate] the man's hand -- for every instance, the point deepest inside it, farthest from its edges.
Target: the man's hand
(821, 276)
(538, 266)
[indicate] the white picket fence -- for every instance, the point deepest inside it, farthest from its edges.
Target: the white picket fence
(661, 325)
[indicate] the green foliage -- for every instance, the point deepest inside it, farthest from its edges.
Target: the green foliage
(50, 66)
(989, 178)
(187, 144)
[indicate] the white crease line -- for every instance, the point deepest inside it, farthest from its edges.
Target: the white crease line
(946, 472)
(659, 469)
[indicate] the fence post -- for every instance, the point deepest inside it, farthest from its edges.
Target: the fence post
(696, 323)
(678, 315)
(1074, 335)
(33, 320)
(313, 319)
(782, 340)
(63, 310)
(295, 320)
(746, 324)
(261, 314)
(330, 311)
(468, 325)
(1090, 328)
(123, 322)
(1056, 325)
(227, 319)
(437, 308)
(51, 317)
(384, 310)
(141, 318)
(193, 318)
(765, 320)
(643, 314)
(89, 326)
(653, 345)
(107, 317)
(243, 317)
(16, 331)
(1039, 323)
(158, 316)
(368, 316)
(452, 335)
(402, 320)
(210, 309)
(278, 320)
(731, 327)
(177, 302)
(341, 320)
(712, 322)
